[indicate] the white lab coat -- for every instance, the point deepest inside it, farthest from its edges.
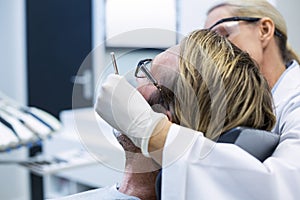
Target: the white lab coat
(201, 169)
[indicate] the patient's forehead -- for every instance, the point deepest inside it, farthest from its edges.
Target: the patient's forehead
(164, 63)
(168, 58)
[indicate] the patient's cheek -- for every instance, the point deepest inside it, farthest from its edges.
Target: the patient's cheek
(146, 90)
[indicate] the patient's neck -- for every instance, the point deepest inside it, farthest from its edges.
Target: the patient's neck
(139, 177)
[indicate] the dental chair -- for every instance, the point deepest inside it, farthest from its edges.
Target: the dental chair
(259, 143)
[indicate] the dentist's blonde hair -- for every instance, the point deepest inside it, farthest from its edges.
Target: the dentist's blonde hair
(220, 87)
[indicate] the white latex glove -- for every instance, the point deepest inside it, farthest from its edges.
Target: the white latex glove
(125, 109)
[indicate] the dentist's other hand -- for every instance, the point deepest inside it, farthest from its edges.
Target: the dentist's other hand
(125, 109)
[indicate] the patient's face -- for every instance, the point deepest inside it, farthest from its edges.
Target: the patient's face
(164, 68)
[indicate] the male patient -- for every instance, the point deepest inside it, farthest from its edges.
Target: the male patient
(140, 171)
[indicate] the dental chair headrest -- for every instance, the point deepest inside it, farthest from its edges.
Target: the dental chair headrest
(259, 143)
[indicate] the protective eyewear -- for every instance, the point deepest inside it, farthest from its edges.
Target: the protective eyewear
(236, 20)
(230, 26)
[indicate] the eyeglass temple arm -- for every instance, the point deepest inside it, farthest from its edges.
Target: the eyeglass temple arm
(249, 19)
(148, 74)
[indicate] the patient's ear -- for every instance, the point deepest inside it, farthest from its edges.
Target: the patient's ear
(169, 115)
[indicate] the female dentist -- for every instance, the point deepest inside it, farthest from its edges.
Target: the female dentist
(194, 166)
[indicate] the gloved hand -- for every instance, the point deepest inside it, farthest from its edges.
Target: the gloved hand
(125, 109)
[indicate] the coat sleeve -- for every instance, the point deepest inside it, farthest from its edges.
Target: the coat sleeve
(197, 168)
